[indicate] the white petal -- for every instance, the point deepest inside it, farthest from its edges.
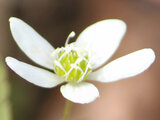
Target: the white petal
(31, 43)
(35, 75)
(102, 39)
(80, 93)
(124, 67)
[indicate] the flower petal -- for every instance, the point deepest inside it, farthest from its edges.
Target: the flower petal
(102, 39)
(124, 67)
(80, 93)
(31, 43)
(35, 75)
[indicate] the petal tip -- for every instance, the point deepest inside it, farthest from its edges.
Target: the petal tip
(152, 54)
(151, 51)
(122, 24)
(9, 61)
(12, 19)
(118, 21)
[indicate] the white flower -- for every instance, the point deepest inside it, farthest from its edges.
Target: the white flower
(76, 62)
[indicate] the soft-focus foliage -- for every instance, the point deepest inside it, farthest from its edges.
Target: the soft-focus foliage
(5, 106)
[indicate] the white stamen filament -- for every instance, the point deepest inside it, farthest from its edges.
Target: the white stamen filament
(73, 66)
(84, 73)
(59, 65)
(71, 35)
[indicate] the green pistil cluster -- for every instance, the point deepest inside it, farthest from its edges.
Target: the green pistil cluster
(72, 64)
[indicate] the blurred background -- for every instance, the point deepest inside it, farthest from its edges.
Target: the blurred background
(136, 98)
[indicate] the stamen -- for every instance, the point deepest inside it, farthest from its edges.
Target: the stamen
(72, 63)
(71, 35)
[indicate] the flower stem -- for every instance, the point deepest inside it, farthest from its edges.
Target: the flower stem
(67, 109)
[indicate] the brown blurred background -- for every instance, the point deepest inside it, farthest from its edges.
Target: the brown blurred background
(136, 98)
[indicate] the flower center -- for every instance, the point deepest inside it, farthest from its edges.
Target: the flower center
(72, 63)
